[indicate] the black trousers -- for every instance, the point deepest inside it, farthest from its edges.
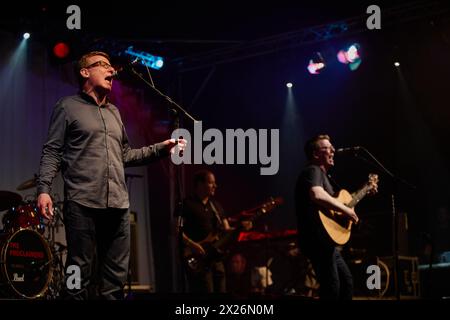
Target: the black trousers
(212, 280)
(333, 274)
(98, 242)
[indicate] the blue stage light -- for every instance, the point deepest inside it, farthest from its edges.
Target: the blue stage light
(146, 59)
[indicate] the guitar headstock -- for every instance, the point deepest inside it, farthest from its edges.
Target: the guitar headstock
(261, 209)
(271, 204)
(372, 184)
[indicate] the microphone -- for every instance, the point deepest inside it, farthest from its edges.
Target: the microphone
(181, 151)
(126, 67)
(348, 149)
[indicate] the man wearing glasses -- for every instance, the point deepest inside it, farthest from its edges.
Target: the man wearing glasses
(315, 190)
(88, 143)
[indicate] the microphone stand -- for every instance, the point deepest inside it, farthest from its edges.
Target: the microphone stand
(167, 98)
(176, 110)
(395, 179)
(179, 210)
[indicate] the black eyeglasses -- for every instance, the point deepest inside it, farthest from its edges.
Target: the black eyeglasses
(328, 148)
(101, 63)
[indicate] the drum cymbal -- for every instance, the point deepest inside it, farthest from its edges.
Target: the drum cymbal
(27, 184)
(9, 199)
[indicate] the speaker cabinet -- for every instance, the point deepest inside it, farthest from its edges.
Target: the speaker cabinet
(133, 272)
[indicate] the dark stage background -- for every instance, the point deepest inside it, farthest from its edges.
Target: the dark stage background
(400, 115)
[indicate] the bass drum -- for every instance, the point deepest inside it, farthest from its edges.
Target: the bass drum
(26, 266)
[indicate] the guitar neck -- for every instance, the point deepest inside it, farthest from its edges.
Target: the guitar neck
(230, 235)
(358, 196)
(257, 212)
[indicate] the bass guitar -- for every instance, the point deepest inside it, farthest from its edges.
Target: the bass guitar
(215, 244)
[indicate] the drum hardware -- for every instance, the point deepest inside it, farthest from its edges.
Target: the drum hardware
(28, 184)
(54, 224)
(58, 250)
(56, 283)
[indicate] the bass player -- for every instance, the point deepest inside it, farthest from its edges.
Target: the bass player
(204, 216)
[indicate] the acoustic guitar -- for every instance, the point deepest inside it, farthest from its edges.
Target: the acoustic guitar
(338, 225)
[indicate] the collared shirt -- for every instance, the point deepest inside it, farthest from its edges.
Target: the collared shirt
(88, 143)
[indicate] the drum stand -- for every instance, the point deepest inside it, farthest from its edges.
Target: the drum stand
(57, 250)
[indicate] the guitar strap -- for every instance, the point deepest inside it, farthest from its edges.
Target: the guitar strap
(333, 182)
(216, 213)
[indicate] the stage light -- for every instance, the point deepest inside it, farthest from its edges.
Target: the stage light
(397, 64)
(352, 53)
(289, 84)
(314, 68)
(61, 50)
(350, 56)
(26, 35)
(316, 64)
(146, 59)
(159, 63)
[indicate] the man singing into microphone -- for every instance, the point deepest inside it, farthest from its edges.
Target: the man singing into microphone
(88, 142)
(315, 190)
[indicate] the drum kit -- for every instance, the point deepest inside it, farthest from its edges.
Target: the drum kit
(31, 259)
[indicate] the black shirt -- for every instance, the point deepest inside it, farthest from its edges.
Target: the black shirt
(201, 219)
(89, 144)
(310, 231)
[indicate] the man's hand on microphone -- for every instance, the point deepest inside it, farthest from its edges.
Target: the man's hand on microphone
(45, 205)
(174, 145)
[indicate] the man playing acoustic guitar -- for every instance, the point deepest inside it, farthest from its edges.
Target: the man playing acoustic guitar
(315, 192)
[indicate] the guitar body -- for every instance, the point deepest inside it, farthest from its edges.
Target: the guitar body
(198, 263)
(337, 224)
